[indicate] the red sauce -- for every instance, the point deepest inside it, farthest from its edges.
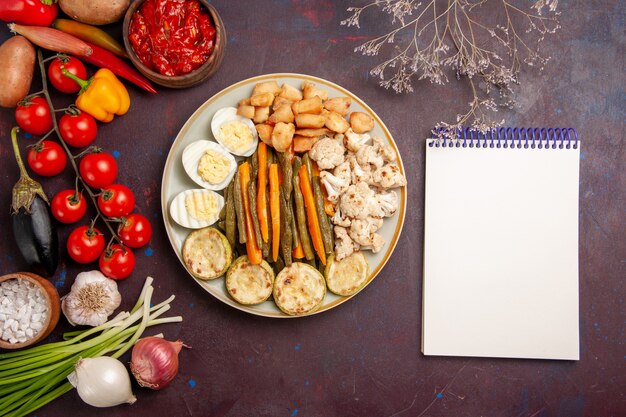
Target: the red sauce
(172, 37)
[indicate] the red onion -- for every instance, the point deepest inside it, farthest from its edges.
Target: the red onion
(154, 362)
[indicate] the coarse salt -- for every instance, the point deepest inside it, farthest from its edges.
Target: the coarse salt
(23, 310)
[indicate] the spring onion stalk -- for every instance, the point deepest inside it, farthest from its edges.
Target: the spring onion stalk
(33, 377)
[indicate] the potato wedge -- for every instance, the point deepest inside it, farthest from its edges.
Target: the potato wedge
(314, 121)
(309, 90)
(261, 114)
(244, 102)
(313, 133)
(337, 123)
(303, 143)
(266, 87)
(282, 135)
(339, 105)
(280, 101)
(310, 105)
(262, 100)
(246, 111)
(265, 132)
(361, 122)
(282, 114)
(290, 93)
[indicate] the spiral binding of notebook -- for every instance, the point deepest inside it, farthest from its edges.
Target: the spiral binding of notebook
(507, 137)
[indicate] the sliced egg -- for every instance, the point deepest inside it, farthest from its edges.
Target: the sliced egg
(196, 208)
(209, 164)
(236, 133)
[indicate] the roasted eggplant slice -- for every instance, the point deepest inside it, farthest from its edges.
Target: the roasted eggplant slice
(207, 253)
(299, 289)
(346, 277)
(249, 284)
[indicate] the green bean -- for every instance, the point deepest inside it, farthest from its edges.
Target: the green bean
(285, 165)
(231, 221)
(270, 157)
(307, 161)
(254, 165)
(285, 229)
(311, 262)
(294, 227)
(297, 163)
(303, 230)
(279, 265)
(327, 232)
(253, 212)
(221, 225)
(222, 215)
(241, 216)
(321, 267)
(267, 246)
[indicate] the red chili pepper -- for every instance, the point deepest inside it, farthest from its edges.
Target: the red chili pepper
(102, 58)
(29, 12)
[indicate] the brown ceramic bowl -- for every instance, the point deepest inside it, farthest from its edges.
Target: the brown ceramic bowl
(54, 307)
(180, 81)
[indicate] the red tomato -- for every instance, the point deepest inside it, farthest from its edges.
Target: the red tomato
(61, 82)
(116, 200)
(135, 231)
(68, 206)
(85, 244)
(34, 116)
(47, 158)
(117, 262)
(98, 169)
(78, 130)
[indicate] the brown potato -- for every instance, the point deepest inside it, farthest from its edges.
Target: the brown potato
(246, 111)
(282, 135)
(290, 93)
(309, 91)
(18, 61)
(282, 114)
(244, 102)
(310, 105)
(303, 143)
(339, 105)
(262, 100)
(361, 122)
(265, 133)
(266, 87)
(313, 133)
(280, 101)
(337, 123)
(261, 114)
(95, 12)
(314, 121)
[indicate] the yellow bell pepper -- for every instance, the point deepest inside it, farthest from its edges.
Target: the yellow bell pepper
(102, 96)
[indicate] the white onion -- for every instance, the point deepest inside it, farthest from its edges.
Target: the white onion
(102, 382)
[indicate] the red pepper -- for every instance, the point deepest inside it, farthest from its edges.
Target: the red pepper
(102, 58)
(29, 12)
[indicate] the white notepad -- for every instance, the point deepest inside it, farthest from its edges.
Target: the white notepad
(501, 245)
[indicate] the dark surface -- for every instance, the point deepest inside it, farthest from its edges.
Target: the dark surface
(363, 358)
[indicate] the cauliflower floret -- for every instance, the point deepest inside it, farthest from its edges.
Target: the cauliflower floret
(367, 155)
(362, 230)
(353, 141)
(327, 152)
(387, 203)
(359, 174)
(388, 176)
(377, 243)
(343, 171)
(384, 150)
(335, 186)
(344, 246)
(358, 201)
(339, 219)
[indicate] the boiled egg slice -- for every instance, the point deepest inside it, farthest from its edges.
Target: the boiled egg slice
(209, 164)
(236, 133)
(196, 208)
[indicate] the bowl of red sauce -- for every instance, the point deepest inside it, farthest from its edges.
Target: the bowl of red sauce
(175, 43)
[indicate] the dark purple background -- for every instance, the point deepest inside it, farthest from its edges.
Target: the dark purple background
(363, 358)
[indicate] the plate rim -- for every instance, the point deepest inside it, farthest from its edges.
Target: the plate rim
(305, 77)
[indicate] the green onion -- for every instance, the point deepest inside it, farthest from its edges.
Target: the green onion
(33, 377)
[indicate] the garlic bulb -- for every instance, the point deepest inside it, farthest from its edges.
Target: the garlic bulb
(92, 299)
(102, 382)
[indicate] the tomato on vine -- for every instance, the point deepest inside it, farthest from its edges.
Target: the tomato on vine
(61, 82)
(68, 206)
(135, 230)
(85, 244)
(117, 262)
(116, 200)
(78, 129)
(98, 169)
(47, 158)
(33, 116)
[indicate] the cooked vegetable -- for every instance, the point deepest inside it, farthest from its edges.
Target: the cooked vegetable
(252, 247)
(33, 229)
(52, 39)
(154, 361)
(348, 276)
(31, 378)
(275, 209)
(325, 228)
(95, 12)
(286, 236)
(299, 289)
(90, 34)
(248, 283)
(241, 216)
(231, 221)
(29, 12)
(254, 213)
(102, 382)
(103, 96)
(298, 252)
(261, 205)
(18, 59)
(285, 165)
(301, 222)
(311, 214)
(102, 58)
(207, 253)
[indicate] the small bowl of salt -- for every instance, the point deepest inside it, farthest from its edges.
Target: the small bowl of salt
(29, 309)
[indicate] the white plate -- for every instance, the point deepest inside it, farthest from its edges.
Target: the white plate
(198, 126)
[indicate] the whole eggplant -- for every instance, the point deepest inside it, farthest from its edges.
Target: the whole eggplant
(33, 229)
